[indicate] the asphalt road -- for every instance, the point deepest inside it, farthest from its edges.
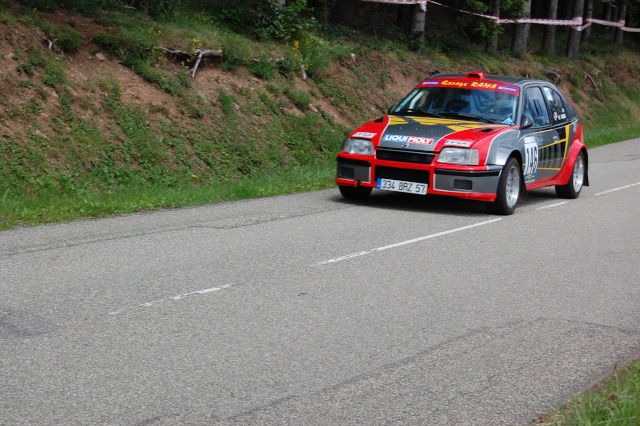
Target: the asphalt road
(308, 309)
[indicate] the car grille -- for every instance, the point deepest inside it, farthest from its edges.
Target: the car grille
(405, 156)
(419, 176)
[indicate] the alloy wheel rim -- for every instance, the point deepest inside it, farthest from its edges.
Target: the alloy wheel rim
(513, 187)
(578, 174)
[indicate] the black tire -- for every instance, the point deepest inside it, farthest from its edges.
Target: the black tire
(355, 192)
(572, 189)
(509, 186)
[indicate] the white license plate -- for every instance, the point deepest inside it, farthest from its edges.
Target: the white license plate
(402, 186)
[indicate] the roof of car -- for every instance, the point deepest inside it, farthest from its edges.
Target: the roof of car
(481, 76)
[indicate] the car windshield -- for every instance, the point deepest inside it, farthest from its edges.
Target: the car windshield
(469, 104)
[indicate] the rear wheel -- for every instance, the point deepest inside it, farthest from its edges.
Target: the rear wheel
(574, 186)
(355, 192)
(508, 189)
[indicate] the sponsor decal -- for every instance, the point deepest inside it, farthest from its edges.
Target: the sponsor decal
(557, 116)
(471, 84)
(458, 143)
(366, 135)
(407, 139)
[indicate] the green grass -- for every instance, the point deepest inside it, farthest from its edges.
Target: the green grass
(615, 402)
(19, 209)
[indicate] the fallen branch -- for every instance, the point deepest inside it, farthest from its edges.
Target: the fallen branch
(196, 55)
(50, 42)
(556, 76)
(593, 82)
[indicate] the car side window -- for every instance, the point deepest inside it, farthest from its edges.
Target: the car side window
(556, 105)
(535, 107)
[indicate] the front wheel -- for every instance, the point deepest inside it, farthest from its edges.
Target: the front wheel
(572, 189)
(508, 189)
(355, 192)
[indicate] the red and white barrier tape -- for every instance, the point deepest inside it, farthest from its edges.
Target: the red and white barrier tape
(576, 22)
(422, 3)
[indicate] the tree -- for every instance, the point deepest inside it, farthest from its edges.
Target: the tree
(521, 33)
(549, 37)
(588, 14)
(573, 45)
(418, 20)
(492, 43)
(622, 14)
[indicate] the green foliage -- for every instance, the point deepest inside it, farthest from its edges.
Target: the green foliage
(315, 53)
(157, 8)
(129, 48)
(42, 5)
(68, 39)
(286, 23)
(238, 16)
(235, 54)
(36, 60)
(227, 103)
(172, 84)
(290, 66)
(54, 74)
(263, 68)
(617, 402)
(300, 98)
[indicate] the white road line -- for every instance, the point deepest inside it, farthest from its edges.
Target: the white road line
(178, 297)
(552, 205)
(618, 189)
(403, 243)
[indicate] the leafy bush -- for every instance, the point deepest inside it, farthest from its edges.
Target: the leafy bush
(54, 74)
(165, 81)
(68, 39)
(283, 23)
(300, 98)
(129, 49)
(263, 68)
(234, 57)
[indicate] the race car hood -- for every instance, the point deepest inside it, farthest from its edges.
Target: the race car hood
(423, 133)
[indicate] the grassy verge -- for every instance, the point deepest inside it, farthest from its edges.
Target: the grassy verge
(17, 209)
(614, 402)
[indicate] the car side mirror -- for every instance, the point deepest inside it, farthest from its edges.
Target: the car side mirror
(527, 122)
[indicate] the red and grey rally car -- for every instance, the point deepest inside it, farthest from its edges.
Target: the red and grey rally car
(474, 136)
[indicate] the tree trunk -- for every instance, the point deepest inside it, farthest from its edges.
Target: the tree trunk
(588, 14)
(622, 14)
(492, 43)
(281, 3)
(418, 19)
(573, 45)
(521, 33)
(403, 18)
(549, 38)
(321, 10)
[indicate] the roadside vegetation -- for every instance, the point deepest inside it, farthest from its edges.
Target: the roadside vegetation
(103, 110)
(615, 402)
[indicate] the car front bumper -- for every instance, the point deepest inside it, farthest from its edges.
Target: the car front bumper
(471, 182)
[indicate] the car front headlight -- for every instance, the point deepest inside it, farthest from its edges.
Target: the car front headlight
(357, 146)
(459, 156)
